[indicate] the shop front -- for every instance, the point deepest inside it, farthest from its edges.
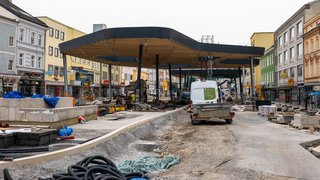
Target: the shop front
(10, 82)
(54, 88)
(84, 79)
(31, 83)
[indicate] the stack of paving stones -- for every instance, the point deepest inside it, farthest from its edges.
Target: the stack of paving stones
(303, 121)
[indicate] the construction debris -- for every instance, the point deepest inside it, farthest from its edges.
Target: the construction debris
(303, 121)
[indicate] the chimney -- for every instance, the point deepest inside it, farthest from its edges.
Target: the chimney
(98, 27)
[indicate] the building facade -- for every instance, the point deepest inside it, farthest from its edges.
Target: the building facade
(8, 71)
(258, 39)
(312, 52)
(289, 56)
(30, 48)
(267, 74)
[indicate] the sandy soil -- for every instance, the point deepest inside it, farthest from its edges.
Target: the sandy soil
(207, 151)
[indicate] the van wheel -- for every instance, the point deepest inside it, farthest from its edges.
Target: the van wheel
(229, 121)
(194, 122)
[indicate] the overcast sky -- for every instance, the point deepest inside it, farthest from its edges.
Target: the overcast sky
(230, 21)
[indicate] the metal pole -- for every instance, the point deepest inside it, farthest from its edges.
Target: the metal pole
(241, 85)
(170, 83)
(243, 82)
(253, 94)
(138, 88)
(185, 81)
(109, 71)
(65, 93)
(180, 81)
(100, 81)
(157, 77)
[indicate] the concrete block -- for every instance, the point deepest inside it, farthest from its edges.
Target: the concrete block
(34, 116)
(21, 116)
(4, 114)
(12, 113)
(7, 140)
(47, 116)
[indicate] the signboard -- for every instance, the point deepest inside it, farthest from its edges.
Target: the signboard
(70, 71)
(209, 93)
(105, 81)
(316, 88)
(300, 85)
(290, 82)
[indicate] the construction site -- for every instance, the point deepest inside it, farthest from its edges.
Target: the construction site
(204, 130)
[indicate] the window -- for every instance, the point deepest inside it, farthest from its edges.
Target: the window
(39, 62)
(56, 70)
(62, 36)
(40, 40)
(280, 41)
(57, 34)
(83, 61)
(299, 28)
(32, 60)
(21, 34)
(291, 53)
(61, 55)
(50, 50)
(292, 72)
(56, 52)
(50, 70)
(317, 43)
(51, 32)
(280, 59)
(292, 33)
(300, 70)
(11, 41)
(10, 65)
(285, 37)
(299, 49)
(88, 62)
(307, 48)
(21, 59)
(33, 37)
(285, 57)
(311, 46)
(61, 71)
(79, 60)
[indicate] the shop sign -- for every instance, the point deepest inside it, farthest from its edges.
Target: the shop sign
(300, 85)
(316, 88)
(69, 71)
(123, 83)
(290, 82)
(105, 81)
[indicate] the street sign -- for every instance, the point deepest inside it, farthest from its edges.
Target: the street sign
(300, 85)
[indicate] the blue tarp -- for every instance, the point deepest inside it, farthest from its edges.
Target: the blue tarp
(13, 94)
(65, 131)
(51, 101)
(37, 96)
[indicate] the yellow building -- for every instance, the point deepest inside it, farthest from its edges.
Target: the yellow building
(259, 39)
(81, 72)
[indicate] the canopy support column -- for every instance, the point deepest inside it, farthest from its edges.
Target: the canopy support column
(138, 83)
(236, 87)
(241, 85)
(65, 72)
(170, 83)
(110, 91)
(180, 82)
(252, 83)
(243, 82)
(157, 78)
(185, 81)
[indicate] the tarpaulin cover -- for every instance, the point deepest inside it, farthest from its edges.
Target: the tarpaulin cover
(37, 96)
(13, 94)
(51, 101)
(148, 164)
(315, 93)
(65, 131)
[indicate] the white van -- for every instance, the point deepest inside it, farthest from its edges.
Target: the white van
(205, 105)
(204, 92)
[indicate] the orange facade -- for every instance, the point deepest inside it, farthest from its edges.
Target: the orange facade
(311, 50)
